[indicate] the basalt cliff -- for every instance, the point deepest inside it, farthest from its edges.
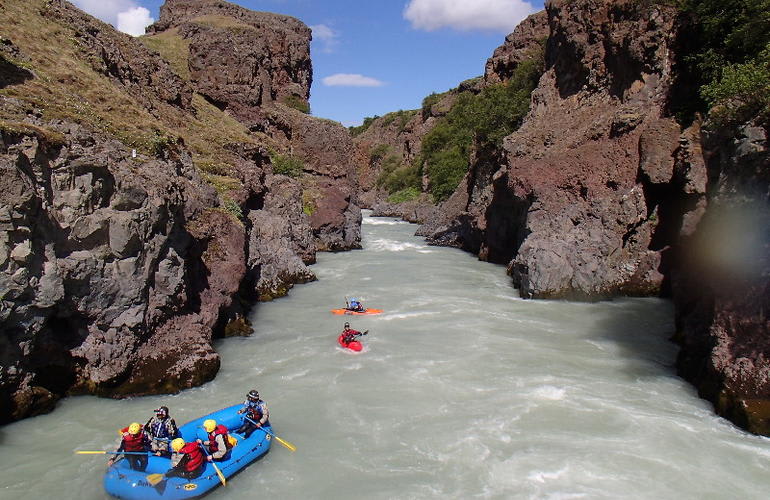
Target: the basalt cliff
(603, 190)
(151, 189)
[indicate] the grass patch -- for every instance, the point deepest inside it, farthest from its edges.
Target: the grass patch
(289, 165)
(298, 103)
(407, 194)
(171, 47)
(50, 137)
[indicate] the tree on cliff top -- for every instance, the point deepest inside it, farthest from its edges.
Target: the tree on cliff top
(727, 57)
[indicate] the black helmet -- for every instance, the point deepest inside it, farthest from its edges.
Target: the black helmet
(347, 325)
(253, 395)
(162, 411)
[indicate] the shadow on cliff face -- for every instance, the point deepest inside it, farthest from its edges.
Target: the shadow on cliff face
(10, 74)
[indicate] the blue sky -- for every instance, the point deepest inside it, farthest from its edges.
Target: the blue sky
(371, 57)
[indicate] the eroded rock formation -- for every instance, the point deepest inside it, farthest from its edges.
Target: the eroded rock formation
(130, 239)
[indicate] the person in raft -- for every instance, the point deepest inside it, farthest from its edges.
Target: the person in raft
(133, 440)
(349, 335)
(218, 442)
(162, 429)
(256, 411)
(355, 306)
(188, 460)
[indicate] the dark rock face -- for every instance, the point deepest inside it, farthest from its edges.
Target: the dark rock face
(271, 63)
(96, 262)
(569, 205)
(721, 287)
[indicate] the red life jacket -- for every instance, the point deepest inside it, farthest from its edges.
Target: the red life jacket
(133, 442)
(213, 445)
(196, 456)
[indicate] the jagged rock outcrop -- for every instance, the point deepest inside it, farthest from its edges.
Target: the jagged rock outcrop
(569, 205)
(256, 66)
(240, 59)
(526, 38)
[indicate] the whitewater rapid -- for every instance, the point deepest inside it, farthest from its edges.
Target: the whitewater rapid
(463, 390)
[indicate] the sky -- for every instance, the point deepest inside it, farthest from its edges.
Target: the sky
(371, 57)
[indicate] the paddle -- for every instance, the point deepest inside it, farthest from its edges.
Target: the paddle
(154, 479)
(112, 452)
(285, 443)
(219, 472)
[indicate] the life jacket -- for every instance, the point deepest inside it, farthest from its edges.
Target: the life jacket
(162, 429)
(254, 411)
(219, 430)
(348, 335)
(133, 442)
(195, 460)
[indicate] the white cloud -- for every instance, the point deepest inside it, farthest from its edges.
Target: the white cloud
(351, 80)
(126, 15)
(465, 15)
(327, 37)
(134, 21)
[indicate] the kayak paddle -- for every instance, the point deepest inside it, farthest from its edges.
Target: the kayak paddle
(111, 452)
(285, 443)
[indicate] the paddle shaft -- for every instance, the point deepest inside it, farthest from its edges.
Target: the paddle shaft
(112, 452)
(285, 443)
(216, 469)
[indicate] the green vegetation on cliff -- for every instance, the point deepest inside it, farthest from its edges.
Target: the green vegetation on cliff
(726, 56)
(476, 121)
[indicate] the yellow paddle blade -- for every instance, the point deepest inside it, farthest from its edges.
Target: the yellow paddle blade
(285, 443)
(219, 473)
(154, 479)
(91, 452)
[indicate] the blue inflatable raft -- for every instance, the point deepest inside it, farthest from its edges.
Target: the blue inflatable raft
(123, 482)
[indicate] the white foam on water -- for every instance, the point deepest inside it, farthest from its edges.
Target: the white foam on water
(463, 390)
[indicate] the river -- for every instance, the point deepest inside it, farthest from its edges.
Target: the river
(463, 390)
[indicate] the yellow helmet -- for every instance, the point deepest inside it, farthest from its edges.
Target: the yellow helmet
(177, 444)
(134, 428)
(210, 425)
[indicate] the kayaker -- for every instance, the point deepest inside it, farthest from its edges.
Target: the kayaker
(162, 429)
(133, 440)
(256, 410)
(355, 306)
(349, 335)
(218, 442)
(191, 461)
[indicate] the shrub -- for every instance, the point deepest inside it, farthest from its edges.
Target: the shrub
(407, 194)
(288, 165)
(378, 153)
(741, 92)
(722, 57)
(355, 131)
(232, 208)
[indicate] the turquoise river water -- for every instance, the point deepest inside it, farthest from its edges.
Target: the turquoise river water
(463, 391)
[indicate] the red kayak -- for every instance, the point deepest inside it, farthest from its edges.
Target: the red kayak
(365, 311)
(353, 345)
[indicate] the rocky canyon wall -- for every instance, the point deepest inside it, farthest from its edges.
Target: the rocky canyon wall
(602, 192)
(141, 206)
